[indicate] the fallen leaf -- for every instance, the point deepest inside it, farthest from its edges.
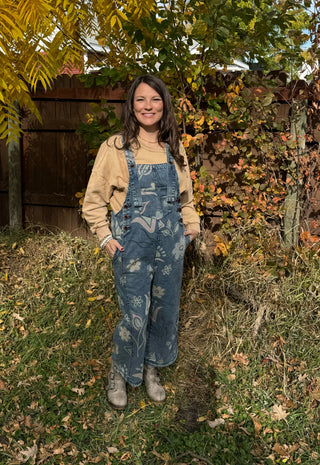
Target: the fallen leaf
(315, 393)
(281, 450)
(107, 416)
(257, 426)
(267, 431)
(210, 276)
(28, 453)
(3, 386)
(79, 391)
(142, 405)
(58, 451)
(278, 412)
(241, 358)
(112, 450)
(215, 423)
(96, 459)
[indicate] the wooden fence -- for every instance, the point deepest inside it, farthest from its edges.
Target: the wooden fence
(54, 158)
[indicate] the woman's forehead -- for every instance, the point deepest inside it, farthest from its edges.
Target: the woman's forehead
(144, 89)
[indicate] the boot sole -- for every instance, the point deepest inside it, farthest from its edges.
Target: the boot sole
(158, 401)
(117, 407)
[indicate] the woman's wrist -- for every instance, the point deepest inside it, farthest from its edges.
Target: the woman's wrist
(105, 241)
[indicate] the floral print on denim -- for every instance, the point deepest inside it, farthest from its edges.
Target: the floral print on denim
(134, 265)
(137, 301)
(179, 249)
(124, 334)
(166, 270)
(148, 278)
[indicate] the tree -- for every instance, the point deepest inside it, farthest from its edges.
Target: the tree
(38, 38)
(184, 41)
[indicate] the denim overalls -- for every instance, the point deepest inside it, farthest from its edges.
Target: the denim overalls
(148, 273)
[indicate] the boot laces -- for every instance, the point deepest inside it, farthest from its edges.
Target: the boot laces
(114, 381)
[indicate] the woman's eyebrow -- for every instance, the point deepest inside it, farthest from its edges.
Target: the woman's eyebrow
(142, 96)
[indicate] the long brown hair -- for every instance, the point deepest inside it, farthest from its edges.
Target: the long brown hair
(168, 128)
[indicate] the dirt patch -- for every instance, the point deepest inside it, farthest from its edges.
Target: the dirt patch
(197, 400)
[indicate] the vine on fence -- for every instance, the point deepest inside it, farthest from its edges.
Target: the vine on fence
(254, 147)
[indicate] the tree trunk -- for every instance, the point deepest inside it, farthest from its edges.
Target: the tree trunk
(15, 191)
(292, 206)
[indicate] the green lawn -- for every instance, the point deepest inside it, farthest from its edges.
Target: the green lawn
(244, 390)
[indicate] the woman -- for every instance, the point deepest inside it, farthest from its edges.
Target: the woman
(144, 175)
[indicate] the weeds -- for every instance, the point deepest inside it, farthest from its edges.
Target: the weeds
(244, 390)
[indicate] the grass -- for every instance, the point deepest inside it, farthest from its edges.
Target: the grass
(244, 390)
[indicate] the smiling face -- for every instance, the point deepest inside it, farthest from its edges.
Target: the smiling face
(148, 107)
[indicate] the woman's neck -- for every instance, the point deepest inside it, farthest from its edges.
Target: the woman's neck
(150, 137)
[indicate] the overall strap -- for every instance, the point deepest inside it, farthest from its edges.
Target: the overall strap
(173, 182)
(134, 185)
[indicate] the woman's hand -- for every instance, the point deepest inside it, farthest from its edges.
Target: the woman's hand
(193, 233)
(112, 246)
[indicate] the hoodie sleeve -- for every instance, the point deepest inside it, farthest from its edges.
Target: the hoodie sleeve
(99, 191)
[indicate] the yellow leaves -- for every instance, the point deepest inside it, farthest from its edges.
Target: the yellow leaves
(221, 247)
(39, 38)
(253, 23)
(9, 25)
(194, 86)
(192, 141)
(33, 12)
(98, 297)
(115, 13)
(114, 19)
(199, 121)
